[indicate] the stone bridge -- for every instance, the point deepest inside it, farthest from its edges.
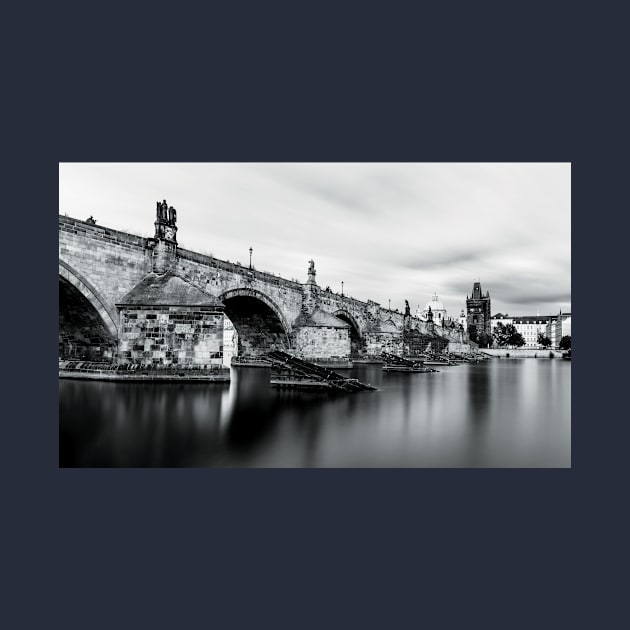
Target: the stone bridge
(133, 299)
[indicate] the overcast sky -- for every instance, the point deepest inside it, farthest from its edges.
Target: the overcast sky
(389, 231)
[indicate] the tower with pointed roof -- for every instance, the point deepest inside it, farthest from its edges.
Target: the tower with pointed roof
(478, 310)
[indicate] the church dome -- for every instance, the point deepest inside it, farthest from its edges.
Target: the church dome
(435, 304)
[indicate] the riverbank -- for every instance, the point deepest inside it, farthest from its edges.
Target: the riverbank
(523, 353)
(91, 371)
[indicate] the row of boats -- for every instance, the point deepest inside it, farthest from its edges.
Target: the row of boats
(427, 362)
(290, 371)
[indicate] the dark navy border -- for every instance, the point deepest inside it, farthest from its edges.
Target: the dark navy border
(310, 548)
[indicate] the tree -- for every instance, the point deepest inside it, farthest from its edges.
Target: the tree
(472, 332)
(484, 340)
(507, 335)
(499, 335)
(565, 343)
(545, 342)
(515, 339)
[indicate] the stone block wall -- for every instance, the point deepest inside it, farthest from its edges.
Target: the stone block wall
(459, 348)
(416, 343)
(82, 334)
(322, 342)
(175, 335)
(257, 333)
(112, 261)
(218, 277)
(377, 343)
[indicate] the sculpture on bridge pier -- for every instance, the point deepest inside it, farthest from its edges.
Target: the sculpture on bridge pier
(165, 221)
(165, 213)
(311, 271)
(162, 211)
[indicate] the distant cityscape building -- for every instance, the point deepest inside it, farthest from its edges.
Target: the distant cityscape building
(558, 326)
(478, 310)
(462, 320)
(530, 326)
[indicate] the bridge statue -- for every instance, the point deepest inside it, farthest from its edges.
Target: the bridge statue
(172, 215)
(162, 211)
(311, 266)
(407, 309)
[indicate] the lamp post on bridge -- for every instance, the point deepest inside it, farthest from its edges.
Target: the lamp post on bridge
(390, 305)
(342, 288)
(250, 258)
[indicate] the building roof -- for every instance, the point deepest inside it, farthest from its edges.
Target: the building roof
(167, 289)
(531, 319)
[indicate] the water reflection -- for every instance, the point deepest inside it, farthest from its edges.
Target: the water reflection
(501, 413)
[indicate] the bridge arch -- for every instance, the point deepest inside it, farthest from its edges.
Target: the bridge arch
(356, 333)
(260, 324)
(87, 326)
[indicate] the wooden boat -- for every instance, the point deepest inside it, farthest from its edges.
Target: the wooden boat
(407, 368)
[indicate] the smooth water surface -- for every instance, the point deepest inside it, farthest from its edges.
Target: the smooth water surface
(504, 412)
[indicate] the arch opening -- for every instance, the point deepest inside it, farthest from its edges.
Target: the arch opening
(83, 334)
(258, 327)
(356, 342)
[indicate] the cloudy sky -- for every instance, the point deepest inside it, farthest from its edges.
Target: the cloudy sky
(388, 231)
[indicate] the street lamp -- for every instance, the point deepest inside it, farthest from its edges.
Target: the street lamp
(390, 304)
(342, 288)
(250, 257)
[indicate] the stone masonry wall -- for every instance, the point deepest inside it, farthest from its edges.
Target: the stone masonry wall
(322, 342)
(416, 343)
(179, 336)
(82, 334)
(376, 343)
(217, 277)
(114, 262)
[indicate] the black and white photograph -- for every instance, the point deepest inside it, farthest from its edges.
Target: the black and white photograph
(315, 315)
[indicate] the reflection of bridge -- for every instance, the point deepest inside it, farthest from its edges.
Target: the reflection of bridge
(145, 300)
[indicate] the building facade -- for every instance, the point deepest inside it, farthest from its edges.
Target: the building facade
(530, 326)
(558, 326)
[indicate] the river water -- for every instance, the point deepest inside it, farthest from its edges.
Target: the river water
(501, 413)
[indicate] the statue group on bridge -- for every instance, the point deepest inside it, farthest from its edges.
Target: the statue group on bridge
(166, 213)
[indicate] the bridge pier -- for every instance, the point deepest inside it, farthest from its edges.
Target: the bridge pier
(165, 321)
(318, 334)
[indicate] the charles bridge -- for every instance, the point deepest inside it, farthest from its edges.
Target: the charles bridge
(132, 299)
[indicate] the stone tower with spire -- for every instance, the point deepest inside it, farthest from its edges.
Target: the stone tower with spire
(478, 310)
